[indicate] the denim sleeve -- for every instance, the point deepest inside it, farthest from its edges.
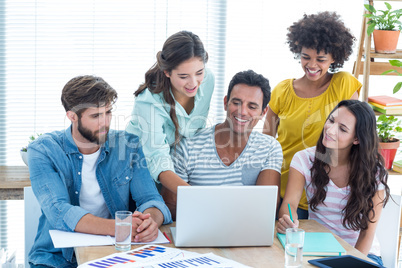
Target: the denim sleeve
(143, 189)
(50, 189)
(148, 119)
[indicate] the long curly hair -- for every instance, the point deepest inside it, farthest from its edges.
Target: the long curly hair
(178, 48)
(366, 169)
(323, 31)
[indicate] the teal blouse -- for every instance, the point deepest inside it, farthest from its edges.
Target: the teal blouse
(152, 123)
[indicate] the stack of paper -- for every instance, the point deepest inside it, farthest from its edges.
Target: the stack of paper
(63, 239)
(386, 104)
(151, 256)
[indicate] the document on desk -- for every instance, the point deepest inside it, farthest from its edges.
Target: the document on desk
(152, 256)
(63, 239)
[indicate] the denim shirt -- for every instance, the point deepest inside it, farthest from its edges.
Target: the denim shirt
(55, 166)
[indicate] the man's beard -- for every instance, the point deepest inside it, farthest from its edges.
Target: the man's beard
(91, 136)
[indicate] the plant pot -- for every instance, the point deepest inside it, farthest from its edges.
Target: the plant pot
(388, 152)
(385, 41)
(24, 156)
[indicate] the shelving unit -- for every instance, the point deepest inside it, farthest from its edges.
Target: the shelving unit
(365, 63)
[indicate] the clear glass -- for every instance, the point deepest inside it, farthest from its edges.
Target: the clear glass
(294, 248)
(123, 226)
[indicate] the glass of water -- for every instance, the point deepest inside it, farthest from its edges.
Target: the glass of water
(123, 223)
(294, 247)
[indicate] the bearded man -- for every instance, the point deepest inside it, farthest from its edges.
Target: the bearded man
(82, 175)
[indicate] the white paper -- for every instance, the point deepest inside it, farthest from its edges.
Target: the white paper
(205, 260)
(63, 239)
(150, 256)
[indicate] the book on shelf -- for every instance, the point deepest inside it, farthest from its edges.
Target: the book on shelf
(394, 111)
(385, 100)
(318, 244)
(397, 166)
(396, 107)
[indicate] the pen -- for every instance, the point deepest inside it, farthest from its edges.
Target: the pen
(290, 213)
(164, 233)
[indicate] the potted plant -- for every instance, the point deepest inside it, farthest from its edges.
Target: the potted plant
(385, 26)
(24, 150)
(387, 127)
(396, 63)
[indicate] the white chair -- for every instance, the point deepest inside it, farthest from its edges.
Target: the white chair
(388, 231)
(32, 213)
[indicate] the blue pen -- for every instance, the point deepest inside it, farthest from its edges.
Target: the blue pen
(290, 213)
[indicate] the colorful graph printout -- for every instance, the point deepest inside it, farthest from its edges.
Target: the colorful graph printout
(145, 254)
(151, 256)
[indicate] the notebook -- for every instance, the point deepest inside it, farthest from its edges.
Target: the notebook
(397, 166)
(225, 216)
(385, 100)
(388, 110)
(318, 244)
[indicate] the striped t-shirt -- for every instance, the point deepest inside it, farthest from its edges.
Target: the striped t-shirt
(329, 213)
(197, 162)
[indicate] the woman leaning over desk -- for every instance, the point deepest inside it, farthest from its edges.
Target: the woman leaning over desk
(344, 178)
(298, 107)
(172, 103)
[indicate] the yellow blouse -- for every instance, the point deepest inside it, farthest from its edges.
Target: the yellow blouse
(302, 119)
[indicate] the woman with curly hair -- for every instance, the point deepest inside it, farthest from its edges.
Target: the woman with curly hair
(344, 178)
(298, 107)
(173, 102)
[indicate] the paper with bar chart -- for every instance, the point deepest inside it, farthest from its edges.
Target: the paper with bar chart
(151, 256)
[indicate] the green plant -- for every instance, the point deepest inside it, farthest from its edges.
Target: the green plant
(387, 127)
(388, 20)
(396, 63)
(31, 139)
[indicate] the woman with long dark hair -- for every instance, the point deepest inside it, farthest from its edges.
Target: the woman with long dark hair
(344, 178)
(172, 103)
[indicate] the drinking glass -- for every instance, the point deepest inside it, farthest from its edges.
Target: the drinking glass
(123, 223)
(294, 247)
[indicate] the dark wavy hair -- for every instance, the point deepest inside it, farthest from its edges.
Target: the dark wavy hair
(323, 31)
(178, 48)
(366, 169)
(251, 78)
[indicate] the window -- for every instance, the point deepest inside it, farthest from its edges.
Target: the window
(47, 42)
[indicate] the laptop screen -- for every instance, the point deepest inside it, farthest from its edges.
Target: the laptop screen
(224, 216)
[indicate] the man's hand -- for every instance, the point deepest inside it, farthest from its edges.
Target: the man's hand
(144, 228)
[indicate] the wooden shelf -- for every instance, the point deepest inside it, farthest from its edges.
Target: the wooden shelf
(365, 64)
(376, 68)
(392, 172)
(397, 55)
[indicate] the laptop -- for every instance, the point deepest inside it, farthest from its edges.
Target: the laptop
(225, 216)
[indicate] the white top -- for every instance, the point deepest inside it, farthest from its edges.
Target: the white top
(91, 197)
(329, 213)
(197, 162)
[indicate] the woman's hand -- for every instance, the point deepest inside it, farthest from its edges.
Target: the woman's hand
(284, 223)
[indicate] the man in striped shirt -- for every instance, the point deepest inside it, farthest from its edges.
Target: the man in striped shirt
(231, 153)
